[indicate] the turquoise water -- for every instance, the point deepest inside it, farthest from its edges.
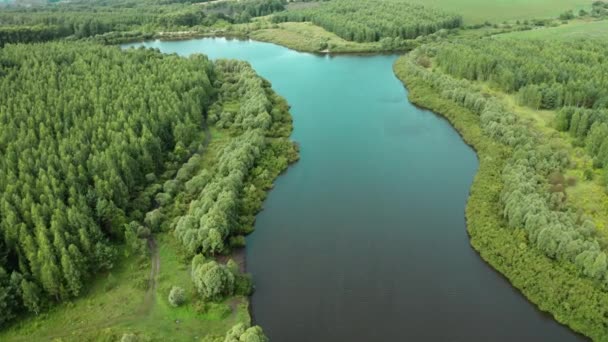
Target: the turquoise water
(364, 238)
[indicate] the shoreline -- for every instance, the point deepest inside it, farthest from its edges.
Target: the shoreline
(247, 37)
(459, 119)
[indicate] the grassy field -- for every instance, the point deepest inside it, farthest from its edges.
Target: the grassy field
(497, 11)
(118, 304)
(310, 38)
(574, 30)
(114, 294)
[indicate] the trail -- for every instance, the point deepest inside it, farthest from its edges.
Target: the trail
(150, 295)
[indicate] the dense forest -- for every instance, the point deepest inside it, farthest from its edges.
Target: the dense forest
(87, 133)
(546, 74)
(81, 19)
(524, 178)
(370, 20)
(82, 127)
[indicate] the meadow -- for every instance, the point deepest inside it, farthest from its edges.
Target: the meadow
(581, 29)
(497, 11)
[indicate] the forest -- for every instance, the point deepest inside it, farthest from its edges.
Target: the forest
(82, 19)
(103, 150)
(563, 76)
(75, 151)
(81, 176)
(370, 20)
(545, 74)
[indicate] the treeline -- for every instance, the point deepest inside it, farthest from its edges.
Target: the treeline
(590, 129)
(30, 34)
(372, 20)
(81, 19)
(227, 196)
(545, 74)
(243, 11)
(528, 192)
(83, 129)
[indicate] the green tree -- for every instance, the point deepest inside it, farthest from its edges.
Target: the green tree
(177, 296)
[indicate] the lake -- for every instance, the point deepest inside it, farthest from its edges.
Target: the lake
(364, 239)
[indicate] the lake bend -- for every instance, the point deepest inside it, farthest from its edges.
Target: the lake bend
(364, 239)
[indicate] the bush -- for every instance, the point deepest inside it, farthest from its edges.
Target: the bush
(243, 285)
(177, 296)
(129, 337)
(237, 241)
(567, 15)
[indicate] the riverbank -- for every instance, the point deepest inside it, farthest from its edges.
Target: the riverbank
(348, 110)
(542, 281)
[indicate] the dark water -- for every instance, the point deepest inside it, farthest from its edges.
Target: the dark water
(364, 239)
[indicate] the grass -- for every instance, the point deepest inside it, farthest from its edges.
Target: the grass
(307, 37)
(105, 314)
(115, 296)
(497, 11)
(574, 30)
(184, 323)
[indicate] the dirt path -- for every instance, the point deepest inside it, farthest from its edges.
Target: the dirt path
(150, 295)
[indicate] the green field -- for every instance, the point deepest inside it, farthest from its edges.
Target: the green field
(571, 31)
(496, 11)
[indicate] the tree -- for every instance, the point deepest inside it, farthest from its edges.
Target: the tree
(31, 296)
(212, 280)
(177, 296)
(244, 333)
(598, 268)
(8, 304)
(71, 269)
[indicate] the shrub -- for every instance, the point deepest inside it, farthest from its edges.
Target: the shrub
(177, 296)
(588, 174)
(237, 241)
(243, 285)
